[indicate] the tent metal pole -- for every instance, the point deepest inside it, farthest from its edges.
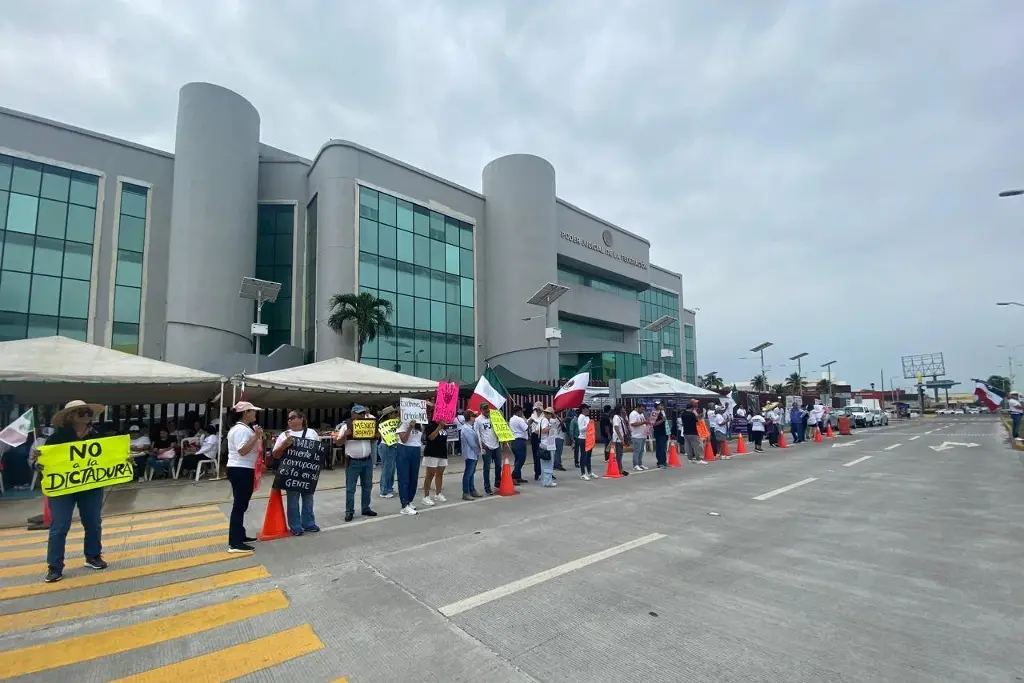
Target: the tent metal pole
(222, 414)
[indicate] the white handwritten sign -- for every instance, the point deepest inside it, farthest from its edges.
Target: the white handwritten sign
(413, 410)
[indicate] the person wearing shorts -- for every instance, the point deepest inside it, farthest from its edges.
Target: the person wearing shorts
(435, 459)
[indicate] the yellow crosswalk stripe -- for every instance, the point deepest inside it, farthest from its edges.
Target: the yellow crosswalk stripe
(234, 662)
(60, 653)
(109, 576)
(23, 621)
(120, 541)
(79, 533)
(124, 520)
(149, 551)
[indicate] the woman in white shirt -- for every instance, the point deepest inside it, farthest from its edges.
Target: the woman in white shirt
(757, 426)
(407, 461)
(207, 449)
(548, 439)
(298, 522)
(243, 449)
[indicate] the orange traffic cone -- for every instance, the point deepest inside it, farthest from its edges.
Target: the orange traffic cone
(741, 446)
(817, 435)
(611, 468)
(782, 439)
(709, 454)
(274, 524)
(828, 431)
(41, 522)
(673, 455)
(507, 487)
(724, 448)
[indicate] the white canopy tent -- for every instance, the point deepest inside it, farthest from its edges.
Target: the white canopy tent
(330, 383)
(57, 369)
(659, 384)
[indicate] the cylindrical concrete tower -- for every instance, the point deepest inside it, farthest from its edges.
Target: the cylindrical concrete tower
(520, 256)
(213, 224)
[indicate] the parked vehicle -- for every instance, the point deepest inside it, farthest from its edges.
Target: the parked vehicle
(958, 411)
(974, 411)
(835, 414)
(944, 411)
(862, 417)
(881, 417)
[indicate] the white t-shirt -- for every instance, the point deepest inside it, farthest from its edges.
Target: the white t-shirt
(637, 431)
(358, 448)
(535, 419)
(1014, 405)
(415, 435)
(296, 434)
(547, 440)
(617, 429)
(520, 429)
(208, 449)
(140, 443)
(757, 423)
(718, 422)
(485, 431)
(582, 421)
(238, 435)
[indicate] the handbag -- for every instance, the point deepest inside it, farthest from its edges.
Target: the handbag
(166, 454)
(545, 455)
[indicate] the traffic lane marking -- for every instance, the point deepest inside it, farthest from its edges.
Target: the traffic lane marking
(914, 438)
(892, 447)
(111, 523)
(52, 655)
(858, 460)
(528, 582)
(130, 539)
(776, 492)
(129, 529)
(234, 662)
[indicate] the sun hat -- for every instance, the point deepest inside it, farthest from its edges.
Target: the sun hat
(549, 409)
(60, 417)
(387, 411)
(243, 406)
(538, 406)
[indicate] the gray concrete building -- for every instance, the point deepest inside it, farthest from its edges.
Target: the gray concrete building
(143, 250)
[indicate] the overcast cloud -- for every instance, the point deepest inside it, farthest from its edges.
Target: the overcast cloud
(823, 172)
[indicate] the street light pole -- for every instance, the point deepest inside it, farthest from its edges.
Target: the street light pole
(546, 297)
(760, 349)
(799, 369)
(828, 365)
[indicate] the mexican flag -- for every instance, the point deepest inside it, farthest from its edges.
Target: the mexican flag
(488, 390)
(18, 431)
(991, 398)
(572, 392)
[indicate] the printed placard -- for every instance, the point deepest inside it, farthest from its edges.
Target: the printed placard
(299, 467)
(364, 429)
(446, 403)
(85, 465)
(387, 431)
(413, 410)
(500, 427)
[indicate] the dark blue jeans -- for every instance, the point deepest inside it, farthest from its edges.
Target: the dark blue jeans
(90, 505)
(408, 464)
(519, 451)
(661, 448)
(535, 447)
(1015, 417)
(468, 474)
(491, 456)
(299, 518)
(359, 470)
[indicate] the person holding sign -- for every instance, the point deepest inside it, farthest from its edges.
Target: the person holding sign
(410, 438)
(298, 521)
(583, 423)
(74, 423)
(489, 446)
(387, 450)
(435, 459)
(357, 434)
(243, 448)
(548, 437)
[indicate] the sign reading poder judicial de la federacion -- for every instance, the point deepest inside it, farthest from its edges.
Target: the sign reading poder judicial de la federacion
(576, 239)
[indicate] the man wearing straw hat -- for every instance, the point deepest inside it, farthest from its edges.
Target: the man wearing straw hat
(74, 423)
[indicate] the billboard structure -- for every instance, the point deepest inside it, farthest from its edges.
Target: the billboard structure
(922, 365)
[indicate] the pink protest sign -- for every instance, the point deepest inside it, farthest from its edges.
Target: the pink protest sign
(446, 402)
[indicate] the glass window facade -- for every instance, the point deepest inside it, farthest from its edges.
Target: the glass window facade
(690, 344)
(578, 328)
(274, 239)
(131, 248)
(47, 227)
(422, 262)
(654, 303)
(603, 366)
(570, 276)
(309, 314)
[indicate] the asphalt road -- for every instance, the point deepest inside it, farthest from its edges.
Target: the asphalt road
(891, 555)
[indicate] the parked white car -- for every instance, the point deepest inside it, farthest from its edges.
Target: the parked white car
(861, 416)
(881, 417)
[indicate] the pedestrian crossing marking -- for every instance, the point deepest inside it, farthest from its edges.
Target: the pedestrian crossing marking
(77, 534)
(130, 539)
(24, 621)
(150, 551)
(236, 661)
(60, 653)
(109, 576)
(110, 523)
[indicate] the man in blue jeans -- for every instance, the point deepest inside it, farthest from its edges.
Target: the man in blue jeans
(489, 447)
(1013, 403)
(359, 451)
(74, 423)
(387, 455)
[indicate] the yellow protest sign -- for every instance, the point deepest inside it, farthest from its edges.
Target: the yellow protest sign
(364, 429)
(84, 465)
(500, 427)
(387, 431)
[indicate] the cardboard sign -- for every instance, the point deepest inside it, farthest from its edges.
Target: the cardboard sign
(85, 465)
(299, 467)
(446, 402)
(387, 431)
(591, 436)
(364, 429)
(500, 427)
(413, 410)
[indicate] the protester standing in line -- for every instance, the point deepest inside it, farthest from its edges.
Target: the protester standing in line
(470, 445)
(1016, 410)
(638, 436)
(582, 423)
(619, 435)
(410, 438)
(520, 429)
(359, 468)
(574, 437)
(299, 521)
(719, 432)
(243, 448)
(604, 427)
(796, 418)
(534, 421)
(757, 429)
(659, 429)
(74, 423)
(548, 439)
(387, 455)
(489, 447)
(435, 460)
(691, 438)
(558, 426)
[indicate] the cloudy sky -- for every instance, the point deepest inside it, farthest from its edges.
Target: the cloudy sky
(823, 172)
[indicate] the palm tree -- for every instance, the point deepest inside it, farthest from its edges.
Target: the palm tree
(824, 387)
(710, 381)
(779, 389)
(795, 383)
(759, 383)
(369, 313)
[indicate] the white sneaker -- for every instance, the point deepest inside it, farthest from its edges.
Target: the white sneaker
(594, 476)
(584, 477)
(408, 510)
(439, 498)
(637, 468)
(644, 467)
(387, 495)
(427, 501)
(412, 507)
(553, 484)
